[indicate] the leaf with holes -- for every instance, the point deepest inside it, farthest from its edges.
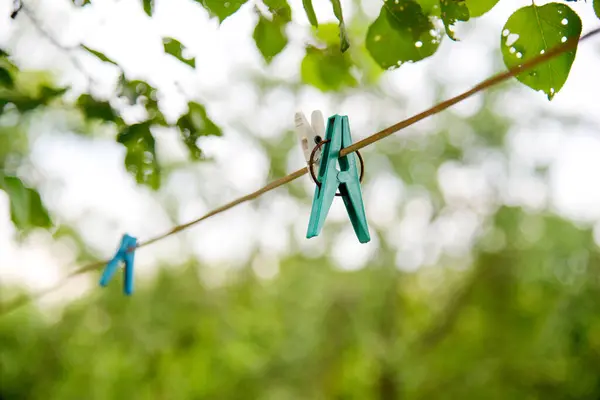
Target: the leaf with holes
(26, 208)
(597, 8)
(452, 11)
(327, 68)
(98, 55)
(310, 13)
(148, 7)
(196, 123)
(140, 159)
(337, 10)
(221, 8)
(94, 109)
(401, 33)
(479, 7)
(531, 31)
(176, 49)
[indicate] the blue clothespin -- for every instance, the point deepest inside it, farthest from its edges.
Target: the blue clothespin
(124, 254)
(330, 179)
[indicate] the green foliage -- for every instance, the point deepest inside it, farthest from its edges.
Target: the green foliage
(140, 159)
(98, 55)
(520, 323)
(597, 8)
(310, 13)
(6, 79)
(402, 33)
(327, 69)
(194, 124)
(30, 98)
(94, 109)
(280, 9)
(140, 92)
(26, 208)
(269, 34)
(148, 6)
(540, 29)
(452, 11)
(337, 10)
(221, 9)
(176, 49)
(430, 7)
(479, 7)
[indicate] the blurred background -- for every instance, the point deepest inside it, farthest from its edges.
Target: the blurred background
(482, 278)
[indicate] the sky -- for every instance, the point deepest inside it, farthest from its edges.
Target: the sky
(111, 204)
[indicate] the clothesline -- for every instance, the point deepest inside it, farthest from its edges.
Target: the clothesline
(494, 80)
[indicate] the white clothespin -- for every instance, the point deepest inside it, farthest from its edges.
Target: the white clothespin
(310, 134)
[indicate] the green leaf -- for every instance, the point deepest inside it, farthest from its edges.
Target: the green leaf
(133, 90)
(430, 7)
(406, 16)
(196, 123)
(26, 208)
(597, 8)
(531, 31)
(94, 109)
(148, 7)
(327, 68)
(310, 13)
(479, 7)
(401, 33)
(99, 55)
(221, 8)
(270, 37)
(28, 102)
(141, 159)
(48, 93)
(337, 10)
(280, 9)
(141, 92)
(452, 11)
(269, 34)
(6, 78)
(81, 3)
(175, 48)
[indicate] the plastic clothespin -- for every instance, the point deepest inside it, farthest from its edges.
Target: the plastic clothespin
(124, 254)
(346, 179)
(310, 134)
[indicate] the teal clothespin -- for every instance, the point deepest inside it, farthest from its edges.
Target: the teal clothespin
(125, 255)
(329, 179)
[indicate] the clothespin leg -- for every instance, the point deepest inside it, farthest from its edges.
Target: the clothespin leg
(354, 205)
(350, 188)
(109, 271)
(129, 257)
(128, 279)
(327, 176)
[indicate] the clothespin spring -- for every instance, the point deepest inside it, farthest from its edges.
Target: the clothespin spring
(312, 162)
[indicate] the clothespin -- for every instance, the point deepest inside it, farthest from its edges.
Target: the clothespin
(329, 179)
(310, 134)
(125, 255)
